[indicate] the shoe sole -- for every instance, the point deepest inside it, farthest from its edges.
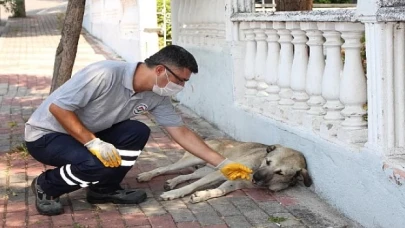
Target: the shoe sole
(141, 199)
(49, 213)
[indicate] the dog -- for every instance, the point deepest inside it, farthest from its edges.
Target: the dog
(274, 167)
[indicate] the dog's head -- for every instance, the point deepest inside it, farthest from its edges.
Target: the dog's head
(281, 168)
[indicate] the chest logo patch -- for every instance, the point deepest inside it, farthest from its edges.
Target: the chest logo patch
(141, 108)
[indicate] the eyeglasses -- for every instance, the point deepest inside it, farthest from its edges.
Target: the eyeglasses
(181, 80)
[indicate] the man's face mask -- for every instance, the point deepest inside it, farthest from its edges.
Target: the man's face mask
(170, 89)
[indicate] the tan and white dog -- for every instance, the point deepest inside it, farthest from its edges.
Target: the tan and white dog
(275, 167)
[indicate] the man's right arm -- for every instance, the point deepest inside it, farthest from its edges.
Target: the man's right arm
(72, 124)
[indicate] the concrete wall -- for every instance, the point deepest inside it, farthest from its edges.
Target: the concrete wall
(124, 26)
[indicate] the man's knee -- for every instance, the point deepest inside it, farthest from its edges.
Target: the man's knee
(138, 136)
(145, 131)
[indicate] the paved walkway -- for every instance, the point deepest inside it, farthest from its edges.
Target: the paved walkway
(27, 50)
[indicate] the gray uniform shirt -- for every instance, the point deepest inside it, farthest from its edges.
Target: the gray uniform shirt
(101, 95)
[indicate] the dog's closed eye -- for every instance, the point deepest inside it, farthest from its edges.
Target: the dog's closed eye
(279, 172)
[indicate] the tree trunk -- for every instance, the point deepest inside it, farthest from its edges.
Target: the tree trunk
(67, 48)
(293, 5)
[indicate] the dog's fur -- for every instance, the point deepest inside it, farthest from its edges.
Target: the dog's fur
(275, 167)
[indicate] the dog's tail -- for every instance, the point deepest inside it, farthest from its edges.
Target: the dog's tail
(271, 148)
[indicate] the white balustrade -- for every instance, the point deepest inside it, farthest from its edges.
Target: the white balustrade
(331, 80)
(203, 27)
(220, 21)
(272, 61)
(251, 84)
(353, 87)
(188, 19)
(192, 22)
(201, 23)
(399, 85)
(284, 68)
(316, 66)
(175, 4)
(298, 72)
(385, 74)
(180, 19)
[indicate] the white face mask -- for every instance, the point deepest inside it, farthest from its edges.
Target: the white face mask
(170, 89)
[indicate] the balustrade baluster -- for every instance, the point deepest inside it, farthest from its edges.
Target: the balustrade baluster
(316, 67)
(251, 84)
(260, 63)
(353, 87)
(331, 80)
(284, 69)
(298, 72)
(272, 61)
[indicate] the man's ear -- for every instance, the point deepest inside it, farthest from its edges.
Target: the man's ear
(159, 69)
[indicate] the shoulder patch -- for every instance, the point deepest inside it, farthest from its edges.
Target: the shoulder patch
(141, 108)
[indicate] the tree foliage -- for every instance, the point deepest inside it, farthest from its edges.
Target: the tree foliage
(15, 7)
(160, 20)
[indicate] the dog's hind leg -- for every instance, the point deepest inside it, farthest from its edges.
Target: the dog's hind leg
(213, 177)
(187, 160)
(199, 173)
(223, 189)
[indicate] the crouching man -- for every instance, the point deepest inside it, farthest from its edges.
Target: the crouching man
(84, 128)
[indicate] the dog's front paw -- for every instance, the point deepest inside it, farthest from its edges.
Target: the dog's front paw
(199, 196)
(173, 194)
(205, 195)
(146, 176)
(169, 185)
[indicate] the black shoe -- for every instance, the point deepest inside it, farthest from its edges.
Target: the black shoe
(46, 205)
(119, 196)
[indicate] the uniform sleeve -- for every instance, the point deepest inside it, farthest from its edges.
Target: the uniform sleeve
(166, 115)
(87, 85)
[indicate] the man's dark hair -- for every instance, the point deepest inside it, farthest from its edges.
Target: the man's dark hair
(173, 55)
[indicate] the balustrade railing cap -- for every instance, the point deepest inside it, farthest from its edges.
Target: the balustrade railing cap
(339, 15)
(391, 14)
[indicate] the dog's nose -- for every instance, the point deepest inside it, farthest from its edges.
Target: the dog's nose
(257, 176)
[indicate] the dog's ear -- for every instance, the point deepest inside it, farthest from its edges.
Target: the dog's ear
(306, 177)
(271, 148)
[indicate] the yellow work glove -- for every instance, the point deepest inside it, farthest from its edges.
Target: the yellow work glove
(105, 152)
(233, 170)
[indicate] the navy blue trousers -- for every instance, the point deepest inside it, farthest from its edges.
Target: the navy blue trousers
(76, 167)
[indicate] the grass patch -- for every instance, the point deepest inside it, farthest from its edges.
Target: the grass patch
(12, 124)
(21, 149)
(77, 225)
(277, 219)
